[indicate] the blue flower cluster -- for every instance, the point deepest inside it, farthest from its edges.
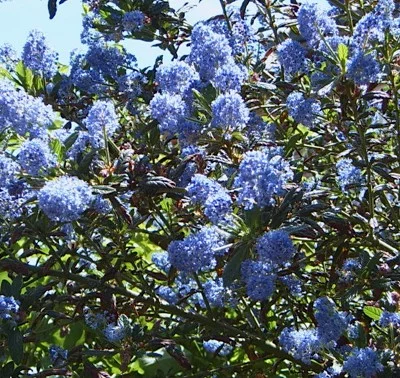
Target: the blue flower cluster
(292, 57)
(275, 247)
(38, 56)
(100, 122)
(133, 21)
(115, 332)
(8, 171)
(65, 198)
(212, 195)
(209, 51)
(362, 362)
(363, 68)
(262, 175)
(215, 292)
(350, 269)
(8, 56)
(230, 76)
(35, 156)
(315, 23)
(302, 344)
(371, 27)
(229, 112)
(389, 318)
(176, 77)
(170, 111)
(168, 294)
(303, 110)
(161, 261)
(259, 278)
(101, 64)
(131, 84)
(13, 192)
(23, 113)
(331, 323)
(347, 174)
(197, 251)
(9, 307)
(58, 356)
(217, 347)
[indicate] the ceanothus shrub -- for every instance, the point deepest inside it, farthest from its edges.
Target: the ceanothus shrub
(230, 212)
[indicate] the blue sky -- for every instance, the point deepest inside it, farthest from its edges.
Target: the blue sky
(19, 17)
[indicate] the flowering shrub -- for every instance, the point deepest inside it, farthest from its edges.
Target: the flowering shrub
(231, 213)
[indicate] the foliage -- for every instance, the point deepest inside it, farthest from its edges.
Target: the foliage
(232, 213)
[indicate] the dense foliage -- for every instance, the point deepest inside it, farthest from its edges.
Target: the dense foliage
(232, 213)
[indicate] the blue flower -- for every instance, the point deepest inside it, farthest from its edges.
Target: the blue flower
(302, 344)
(9, 307)
(161, 261)
(170, 111)
(211, 195)
(131, 84)
(58, 356)
(65, 198)
(209, 50)
(168, 294)
(259, 279)
(133, 21)
(229, 111)
(115, 332)
(262, 174)
(197, 251)
(8, 171)
(38, 56)
(347, 174)
(8, 56)
(362, 362)
(13, 198)
(389, 318)
(230, 76)
(303, 110)
(350, 269)
(371, 27)
(292, 56)
(23, 113)
(215, 292)
(315, 23)
(331, 323)
(176, 77)
(101, 120)
(35, 156)
(363, 69)
(216, 346)
(275, 247)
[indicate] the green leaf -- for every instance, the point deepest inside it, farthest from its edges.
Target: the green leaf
(7, 370)
(16, 287)
(75, 336)
(343, 53)
(16, 345)
(373, 312)
(6, 288)
(103, 189)
(24, 75)
(232, 268)
(58, 148)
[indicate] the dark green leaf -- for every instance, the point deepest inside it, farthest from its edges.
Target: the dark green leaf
(52, 7)
(16, 346)
(232, 268)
